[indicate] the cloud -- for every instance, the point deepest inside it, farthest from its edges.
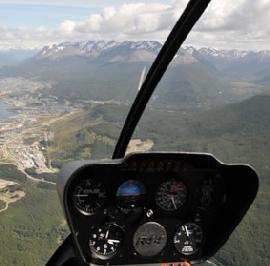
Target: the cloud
(127, 21)
(67, 26)
(66, 3)
(235, 24)
(227, 24)
(23, 37)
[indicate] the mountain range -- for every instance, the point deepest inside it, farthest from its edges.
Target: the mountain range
(110, 70)
(117, 51)
(232, 62)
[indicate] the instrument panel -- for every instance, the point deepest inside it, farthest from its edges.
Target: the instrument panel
(154, 207)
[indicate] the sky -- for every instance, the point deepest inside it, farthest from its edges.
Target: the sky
(227, 24)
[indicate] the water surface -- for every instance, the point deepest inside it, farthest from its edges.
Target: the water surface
(4, 112)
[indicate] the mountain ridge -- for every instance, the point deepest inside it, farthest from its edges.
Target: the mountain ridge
(246, 65)
(96, 48)
(108, 70)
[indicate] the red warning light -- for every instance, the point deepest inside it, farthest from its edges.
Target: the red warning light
(177, 264)
(184, 264)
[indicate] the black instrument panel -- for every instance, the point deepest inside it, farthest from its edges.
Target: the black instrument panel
(156, 207)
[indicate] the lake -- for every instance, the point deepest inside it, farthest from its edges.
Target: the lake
(4, 112)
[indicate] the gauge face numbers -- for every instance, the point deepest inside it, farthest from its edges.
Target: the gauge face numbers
(188, 238)
(89, 196)
(105, 241)
(130, 194)
(150, 239)
(171, 195)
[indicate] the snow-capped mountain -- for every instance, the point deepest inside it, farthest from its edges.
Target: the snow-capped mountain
(111, 50)
(221, 58)
(230, 61)
(143, 51)
(222, 53)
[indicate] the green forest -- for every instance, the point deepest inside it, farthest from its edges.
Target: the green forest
(33, 227)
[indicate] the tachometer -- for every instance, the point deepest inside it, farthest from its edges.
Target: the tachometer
(171, 195)
(89, 196)
(106, 240)
(188, 239)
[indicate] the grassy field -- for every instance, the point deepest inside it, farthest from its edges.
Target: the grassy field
(74, 139)
(10, 172)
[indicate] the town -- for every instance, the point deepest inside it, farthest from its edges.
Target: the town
(22, 132)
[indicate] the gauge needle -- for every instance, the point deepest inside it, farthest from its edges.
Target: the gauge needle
(112, 241)
(107, 233)
(172, 198)
(81, 195)
(187, 231)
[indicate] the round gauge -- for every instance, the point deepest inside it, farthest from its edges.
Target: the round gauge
(130, 194)
(171, 195)
(211, 192)
(188, 238)
(150, 239)
(207, 193)
(89, 196)
(106, 240)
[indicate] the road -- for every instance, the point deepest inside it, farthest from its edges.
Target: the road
(5, 208)
(36, 179)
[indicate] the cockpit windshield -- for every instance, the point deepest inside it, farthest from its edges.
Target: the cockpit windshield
(70, 71)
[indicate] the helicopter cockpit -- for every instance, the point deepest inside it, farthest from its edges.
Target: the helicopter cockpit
(161, 208)
(154, 207)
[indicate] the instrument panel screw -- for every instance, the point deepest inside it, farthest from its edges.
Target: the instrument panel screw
(149, 213)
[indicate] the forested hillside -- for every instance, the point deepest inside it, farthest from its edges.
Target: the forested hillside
(235, 134)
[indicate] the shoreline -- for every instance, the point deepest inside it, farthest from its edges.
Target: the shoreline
(6, 110)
